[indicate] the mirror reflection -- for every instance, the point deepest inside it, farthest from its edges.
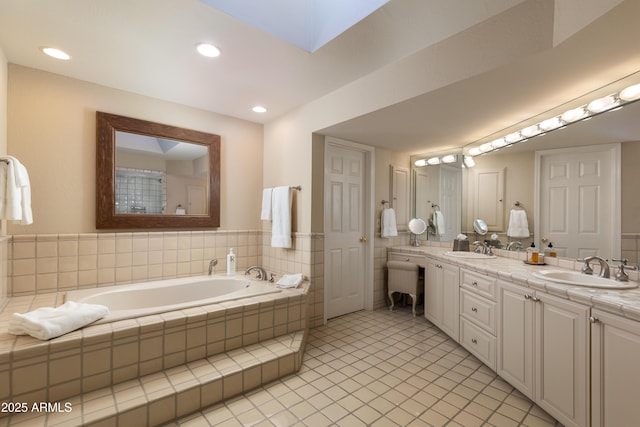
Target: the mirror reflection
(160, 176)
(437, 194)
(152, 175)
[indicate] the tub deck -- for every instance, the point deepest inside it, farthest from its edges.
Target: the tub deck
(193, 357)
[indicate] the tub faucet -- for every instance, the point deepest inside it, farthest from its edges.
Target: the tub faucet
(604, 266)
(212, 264)
(260, 275)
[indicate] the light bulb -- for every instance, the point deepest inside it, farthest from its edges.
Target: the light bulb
(630, 93)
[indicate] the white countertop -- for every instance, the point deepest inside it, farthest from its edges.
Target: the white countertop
(510, 266)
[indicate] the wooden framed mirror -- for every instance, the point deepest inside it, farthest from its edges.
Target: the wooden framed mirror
(151, 175)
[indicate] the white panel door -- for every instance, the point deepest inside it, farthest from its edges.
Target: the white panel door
(488, 197)
(450, 201)
(578, 201)
(344, 230)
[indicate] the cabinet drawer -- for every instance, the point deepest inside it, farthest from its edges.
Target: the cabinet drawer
(479, 310)
(482, 285)
(399, 256)
(479, 342)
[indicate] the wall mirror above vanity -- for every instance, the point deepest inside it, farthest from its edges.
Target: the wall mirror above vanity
(151, 175)
(510, 178)
(436, 193)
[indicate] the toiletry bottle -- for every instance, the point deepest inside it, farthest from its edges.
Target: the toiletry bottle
(532, 254)
(550, 252)
(231, 263)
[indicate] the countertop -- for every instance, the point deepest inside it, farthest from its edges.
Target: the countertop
(510, 266)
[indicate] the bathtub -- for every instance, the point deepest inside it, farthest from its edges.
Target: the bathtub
(143, 299)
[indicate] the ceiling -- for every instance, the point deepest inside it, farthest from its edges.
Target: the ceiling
(148, 47)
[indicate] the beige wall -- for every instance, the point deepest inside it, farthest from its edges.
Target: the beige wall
(3, 150)
(52, 131)
(630, 154)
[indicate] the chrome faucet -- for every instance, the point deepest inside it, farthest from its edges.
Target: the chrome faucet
(516, 244)
(212, 264)
(622, 275)
(482, 248)
(604, 266)
(260, 275)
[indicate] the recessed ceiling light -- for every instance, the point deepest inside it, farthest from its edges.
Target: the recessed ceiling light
(259, 109)
(209, 50)
(56, 53)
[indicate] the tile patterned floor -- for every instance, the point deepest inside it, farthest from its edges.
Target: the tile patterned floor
(380, 368)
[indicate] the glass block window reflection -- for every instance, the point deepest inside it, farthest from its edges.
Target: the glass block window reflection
(140, 191)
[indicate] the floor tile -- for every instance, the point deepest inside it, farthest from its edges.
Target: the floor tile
(380, 368)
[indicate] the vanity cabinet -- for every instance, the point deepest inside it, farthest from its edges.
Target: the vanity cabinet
(441, 296)
(543, 351)
(615, 372)
(478, 316)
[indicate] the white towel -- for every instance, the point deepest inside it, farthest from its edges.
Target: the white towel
(281, 218)
(265, 214)
(15, 200)
(48, 322)
(518, 224)
(388, 227)
(438, 221)
(290, 281)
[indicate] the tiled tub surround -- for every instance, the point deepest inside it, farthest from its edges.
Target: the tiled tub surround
(57, 262)
(153, 368)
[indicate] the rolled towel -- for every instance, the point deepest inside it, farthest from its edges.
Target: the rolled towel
(48, 322)
(290, 281)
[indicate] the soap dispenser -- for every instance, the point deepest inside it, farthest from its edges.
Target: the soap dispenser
(532, 254)
(231, 263)
(550, 251)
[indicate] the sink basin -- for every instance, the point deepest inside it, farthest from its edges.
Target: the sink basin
(468, 255)
(578, 279)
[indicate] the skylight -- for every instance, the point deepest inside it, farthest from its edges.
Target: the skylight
(308, 24)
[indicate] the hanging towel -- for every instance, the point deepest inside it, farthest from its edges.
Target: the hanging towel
(48, 322)
(15, 202)
(281, 218)
(289, 281)
(389, 227)
(265, 214)
(518, 224)
(438, 221)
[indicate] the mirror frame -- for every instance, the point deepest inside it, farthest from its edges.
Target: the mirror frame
(106, 218)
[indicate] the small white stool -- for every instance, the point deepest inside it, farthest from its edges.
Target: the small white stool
(404, 278)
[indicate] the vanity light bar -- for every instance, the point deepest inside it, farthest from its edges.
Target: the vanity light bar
(432, 161)
(597, 106)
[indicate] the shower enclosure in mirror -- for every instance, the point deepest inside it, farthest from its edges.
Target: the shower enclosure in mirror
(153, 175)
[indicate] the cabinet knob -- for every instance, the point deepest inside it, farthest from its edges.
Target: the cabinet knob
(593, 319)
(534, 299)
(527, 296)
(473, 340)
(474, 283)
(475, 310)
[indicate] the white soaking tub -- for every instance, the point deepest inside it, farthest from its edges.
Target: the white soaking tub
(143, 299)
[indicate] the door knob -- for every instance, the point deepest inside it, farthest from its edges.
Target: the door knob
(363, 239)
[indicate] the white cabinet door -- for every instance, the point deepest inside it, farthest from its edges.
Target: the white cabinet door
(562, 352)
(543, 351)
(615, 373)
(515, 337)
(451, 297)
(441, 297)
